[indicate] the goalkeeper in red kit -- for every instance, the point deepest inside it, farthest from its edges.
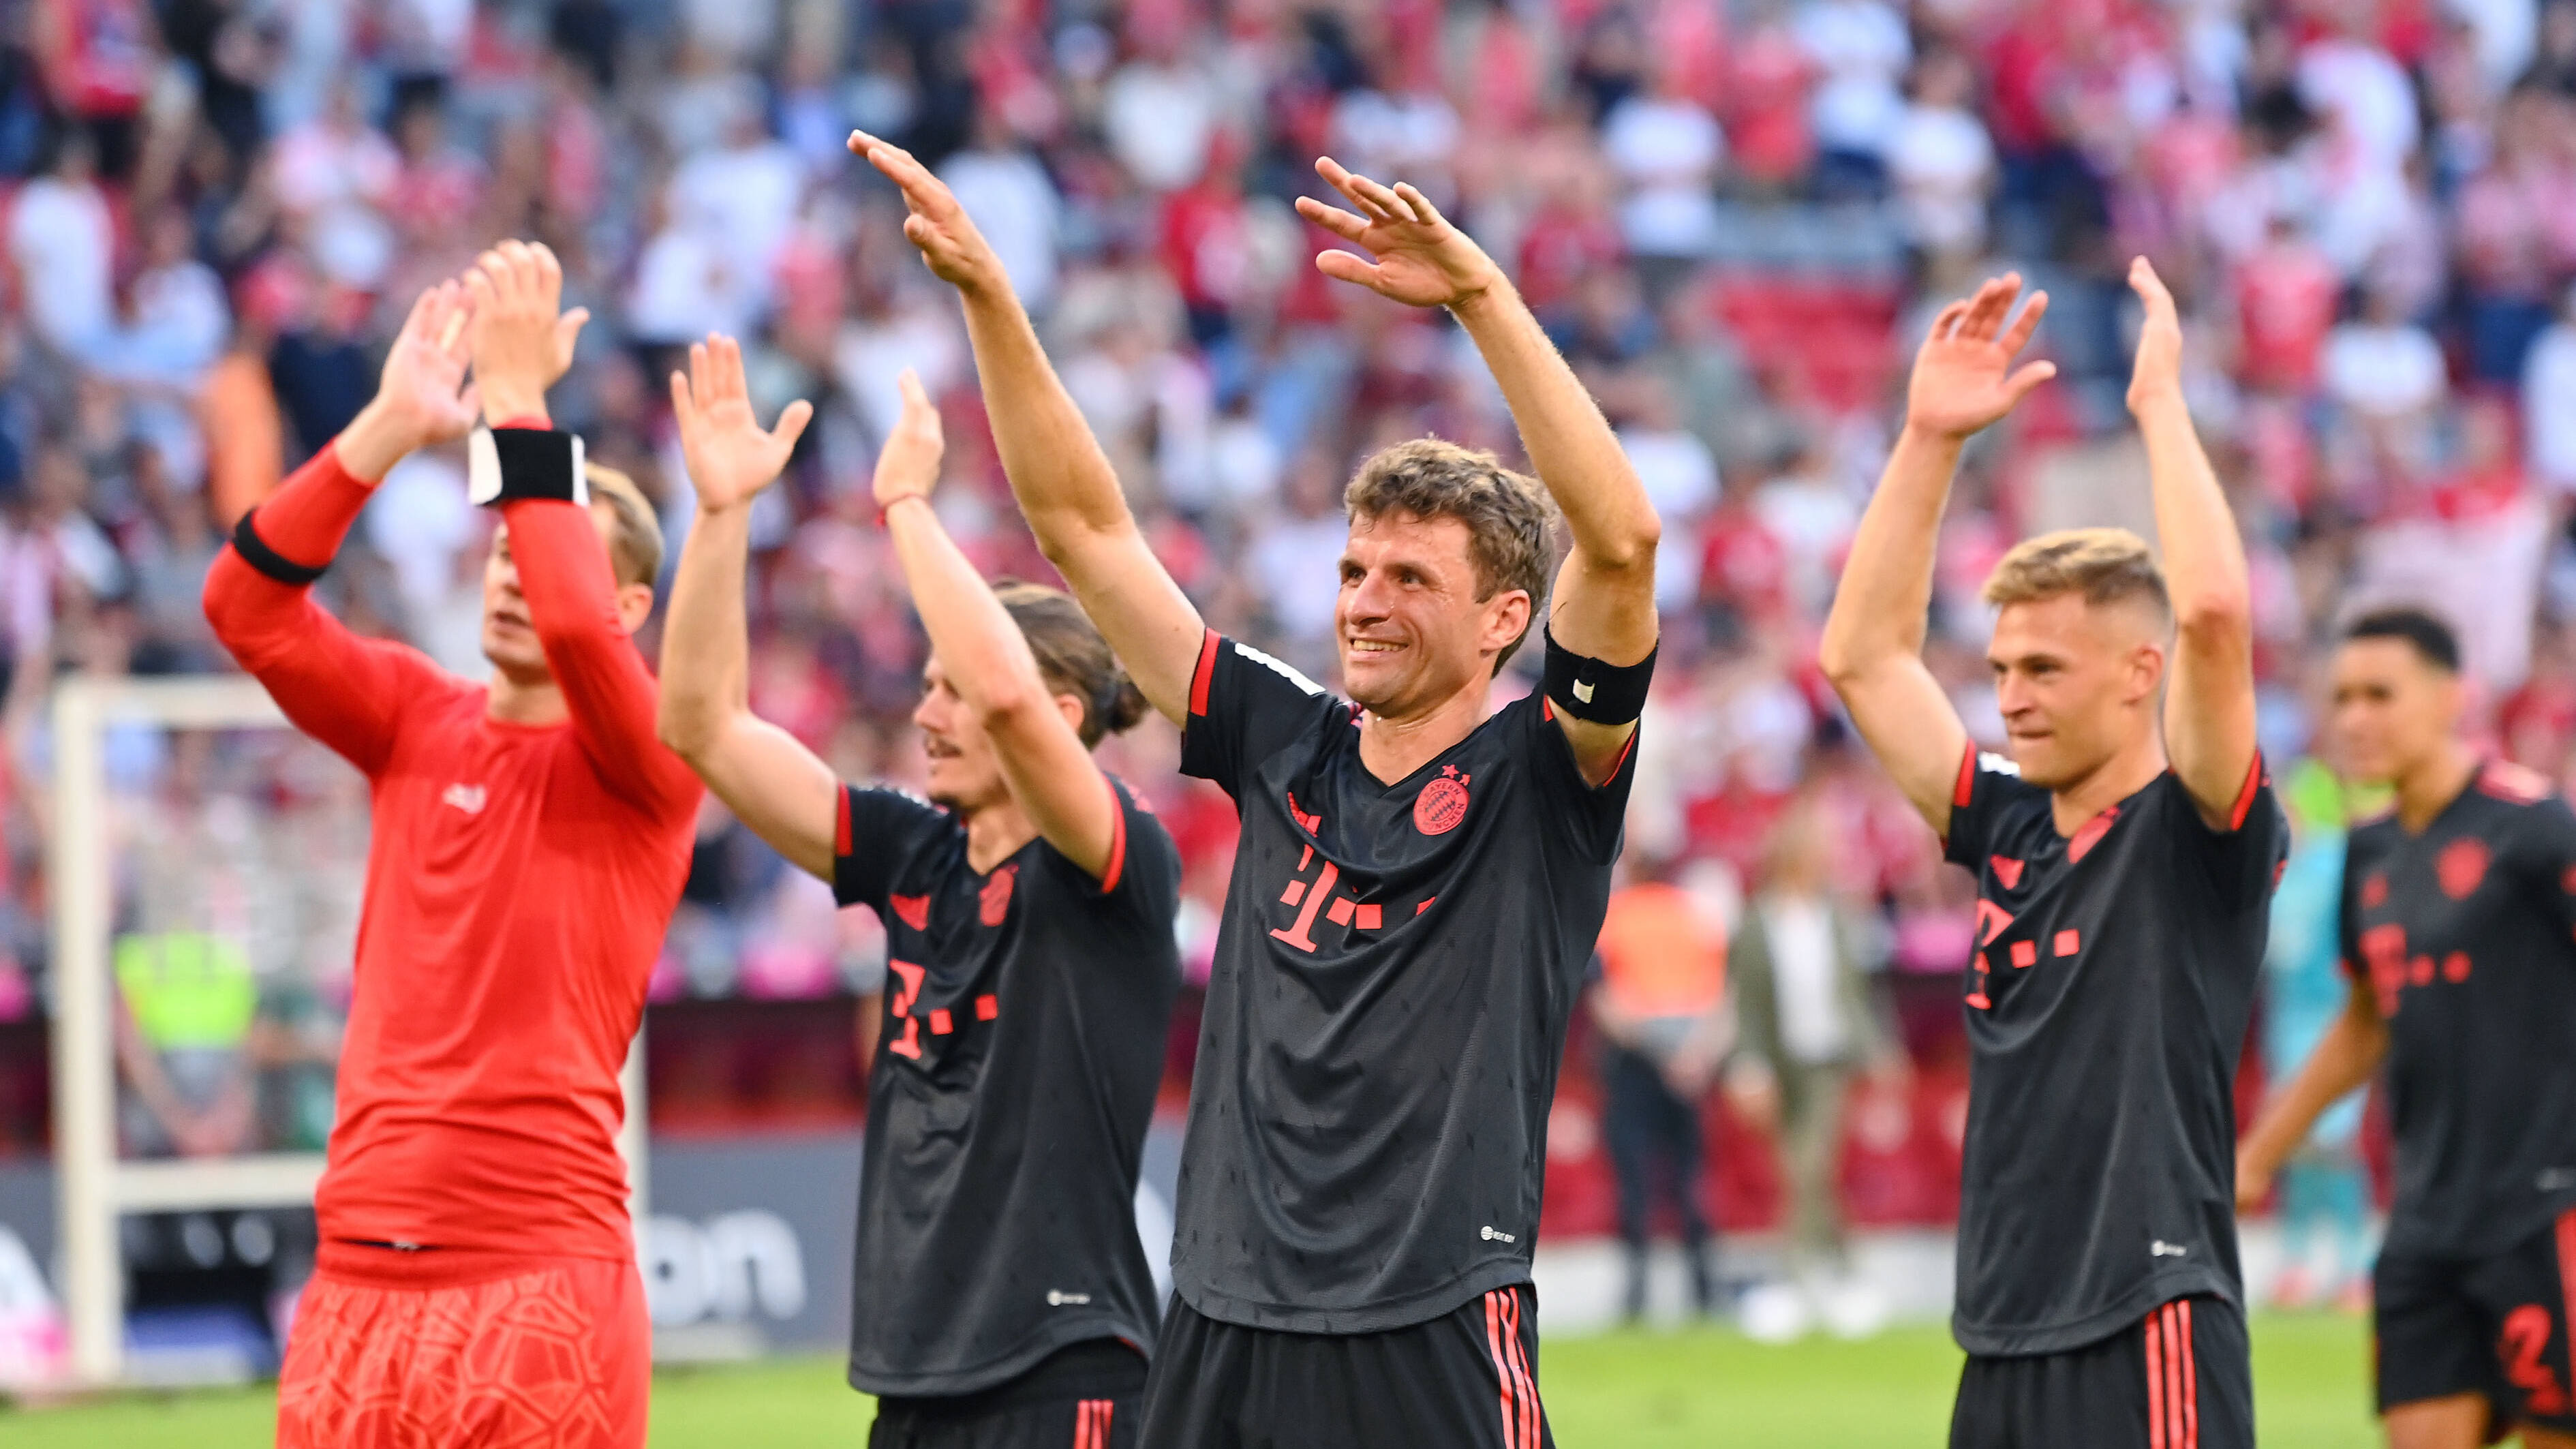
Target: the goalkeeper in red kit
(476, 1281)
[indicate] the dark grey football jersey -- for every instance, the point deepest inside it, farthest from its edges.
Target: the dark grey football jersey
(2107, 1004)
(1394, 974)
(1027, 1011)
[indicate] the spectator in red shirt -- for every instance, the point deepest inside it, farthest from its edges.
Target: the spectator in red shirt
(2286, 298)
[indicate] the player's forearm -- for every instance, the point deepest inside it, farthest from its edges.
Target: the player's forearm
(1884, 598)
(1570, 444)
(706, 636)
(1062, 480)
(985, 656)
(2204, 555)
(564, 575)
(2344, 1061)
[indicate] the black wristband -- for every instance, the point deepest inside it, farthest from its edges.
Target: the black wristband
(255, 551)
(506, 464)
(1589, 689)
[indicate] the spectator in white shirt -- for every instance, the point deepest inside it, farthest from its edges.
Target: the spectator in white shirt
(1941, 160)
(64, 246)
(1667, 148)
(2382, 365)
(2549, 400)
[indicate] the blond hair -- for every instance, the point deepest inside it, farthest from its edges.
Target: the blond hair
(635, 545)
(2105, 565)
(1508, 516)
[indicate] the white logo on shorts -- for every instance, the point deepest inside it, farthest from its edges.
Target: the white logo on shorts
(1496, 1235)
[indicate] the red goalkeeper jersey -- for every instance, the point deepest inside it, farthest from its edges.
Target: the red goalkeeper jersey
(519, 881)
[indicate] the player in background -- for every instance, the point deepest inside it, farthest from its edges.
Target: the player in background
(1001, 1296)
(2124, 874)
(2456, 931)
(476, 1277)
(1417, 886)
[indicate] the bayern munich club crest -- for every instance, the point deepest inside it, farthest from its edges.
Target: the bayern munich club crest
(994, 904)
(2461, 865)
(1442, 803)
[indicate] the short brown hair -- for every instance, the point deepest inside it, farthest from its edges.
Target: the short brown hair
(2105, 565)
(1509, 519)
(1073, 658)
(635, 545)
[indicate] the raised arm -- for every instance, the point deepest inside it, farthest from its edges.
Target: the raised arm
(1603, 605)
(347, 692)
(1872, 649)
(2344, 1059)
(766, 775)
(1035, 732)
(583, 617)
(2209, 702)
(1062, 480)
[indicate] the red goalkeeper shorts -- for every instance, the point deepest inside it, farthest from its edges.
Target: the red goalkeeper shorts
(444, 1348)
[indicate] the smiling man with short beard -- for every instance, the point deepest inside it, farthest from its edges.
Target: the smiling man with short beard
(1418, 884)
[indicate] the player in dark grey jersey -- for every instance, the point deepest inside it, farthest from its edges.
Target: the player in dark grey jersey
(1002, 1299)
(2459, 933)
(2125, 856)
(1418, 885)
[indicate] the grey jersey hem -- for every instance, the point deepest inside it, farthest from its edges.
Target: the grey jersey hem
(1024, 1356)
(2025, 1340)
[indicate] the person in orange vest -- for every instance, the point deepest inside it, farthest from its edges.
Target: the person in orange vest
(1661, 1006)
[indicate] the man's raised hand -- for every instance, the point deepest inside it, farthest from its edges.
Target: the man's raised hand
(1964, 377)
(2158, 374)
(1422, 260)
(909, 465)
(422, 398)
(730, 457)
(955, 251)
(522, 339)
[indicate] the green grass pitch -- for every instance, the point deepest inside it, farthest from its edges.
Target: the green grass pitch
(1688, 1390)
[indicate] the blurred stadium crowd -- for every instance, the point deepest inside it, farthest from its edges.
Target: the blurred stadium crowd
(1734, 215)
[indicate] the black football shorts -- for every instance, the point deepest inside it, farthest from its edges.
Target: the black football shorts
(2182, 1378)
(1465, 1380)
(2495, 1326)
(1088, 1396)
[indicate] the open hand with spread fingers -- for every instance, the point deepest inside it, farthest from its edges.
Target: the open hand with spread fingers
(1422, 260)
(730, 457)
(423, 395)
(909, 465)
(1964, 378)
(522, 338)
(2158, 373)
(955, 251)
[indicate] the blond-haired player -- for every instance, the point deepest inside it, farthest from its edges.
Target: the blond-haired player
(2125, 854)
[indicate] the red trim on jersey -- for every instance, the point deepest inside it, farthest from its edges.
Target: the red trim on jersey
(1502, 1369)
(1625, 750)
(1965, 791)
(1205, 674)
(1117, 840)
(2155, 1382)
(2244, 805)
(841, 831)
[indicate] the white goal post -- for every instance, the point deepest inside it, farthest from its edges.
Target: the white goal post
(93, 1186)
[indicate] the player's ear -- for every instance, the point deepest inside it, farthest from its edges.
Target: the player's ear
(1507, 617)
(634, 606)
(2146, 672)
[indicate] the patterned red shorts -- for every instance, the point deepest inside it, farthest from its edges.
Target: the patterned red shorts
(445, 1349)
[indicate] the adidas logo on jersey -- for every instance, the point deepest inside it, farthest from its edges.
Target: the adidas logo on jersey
(2162, 1249)
(1058, 1298)
(1496, 1235)
(468, 798)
